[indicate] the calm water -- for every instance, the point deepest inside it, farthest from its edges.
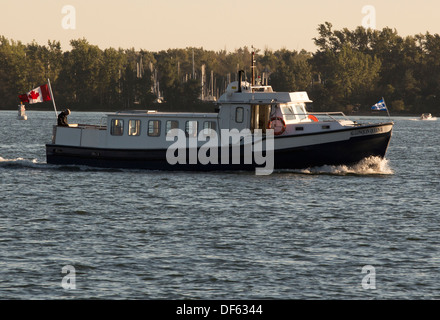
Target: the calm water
(161, 235)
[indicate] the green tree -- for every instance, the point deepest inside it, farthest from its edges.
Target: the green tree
(13, 71)
(110, 77)
(79, 79)
(349, 76)
(292, 71)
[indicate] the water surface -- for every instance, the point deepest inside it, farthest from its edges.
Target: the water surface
(133, 234)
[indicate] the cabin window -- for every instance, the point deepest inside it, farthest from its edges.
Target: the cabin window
(208, 127)
(117, 127)
(239, 114)
(171, 124)
(134, 127)
(300, 111)
(154, 128)
(191, 128)
(288, 112)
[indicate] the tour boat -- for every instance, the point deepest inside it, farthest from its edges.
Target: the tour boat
(265, 122)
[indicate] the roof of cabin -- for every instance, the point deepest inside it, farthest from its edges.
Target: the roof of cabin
(260, 94)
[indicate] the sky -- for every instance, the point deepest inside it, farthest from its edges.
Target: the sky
(210, 24)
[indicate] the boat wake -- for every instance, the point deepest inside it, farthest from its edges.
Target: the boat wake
(19, 163)
(367, 166)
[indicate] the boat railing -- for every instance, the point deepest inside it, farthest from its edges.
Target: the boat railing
(88, 126)
(334, 116)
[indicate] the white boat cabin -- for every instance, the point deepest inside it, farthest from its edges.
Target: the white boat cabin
(240, 107)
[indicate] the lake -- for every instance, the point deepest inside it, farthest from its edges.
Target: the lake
(370, 231)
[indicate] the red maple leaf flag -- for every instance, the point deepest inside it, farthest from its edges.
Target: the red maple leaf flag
(39, 94)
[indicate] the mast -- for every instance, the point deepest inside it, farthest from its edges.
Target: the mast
(203, 82)
(194, 75)
(253, 67)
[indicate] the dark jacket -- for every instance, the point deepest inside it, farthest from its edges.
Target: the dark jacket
(62, 119)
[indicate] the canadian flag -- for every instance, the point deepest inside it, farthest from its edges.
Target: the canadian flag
(39, 94)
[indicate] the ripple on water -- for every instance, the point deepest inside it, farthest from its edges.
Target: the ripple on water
(299, 234)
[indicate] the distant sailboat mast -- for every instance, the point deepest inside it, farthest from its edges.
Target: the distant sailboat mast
(194, 73)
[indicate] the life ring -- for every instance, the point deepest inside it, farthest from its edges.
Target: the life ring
(313, 118)
(271, 125)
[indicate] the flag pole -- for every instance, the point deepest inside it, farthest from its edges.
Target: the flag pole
(53, 99)
(386, 107)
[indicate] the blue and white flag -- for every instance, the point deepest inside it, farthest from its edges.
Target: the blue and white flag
(379, 106)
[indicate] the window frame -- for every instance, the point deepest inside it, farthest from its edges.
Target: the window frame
(300, 110)
(171, 127)
(156, 131)
(193, 134)
(288, 112)
(241, 109)
(138, 127)
(208, 130)
(115, 128)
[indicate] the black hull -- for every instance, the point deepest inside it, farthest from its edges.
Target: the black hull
(344, 152)
(335, 153)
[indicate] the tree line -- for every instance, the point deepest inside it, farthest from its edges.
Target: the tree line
(350, 71)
